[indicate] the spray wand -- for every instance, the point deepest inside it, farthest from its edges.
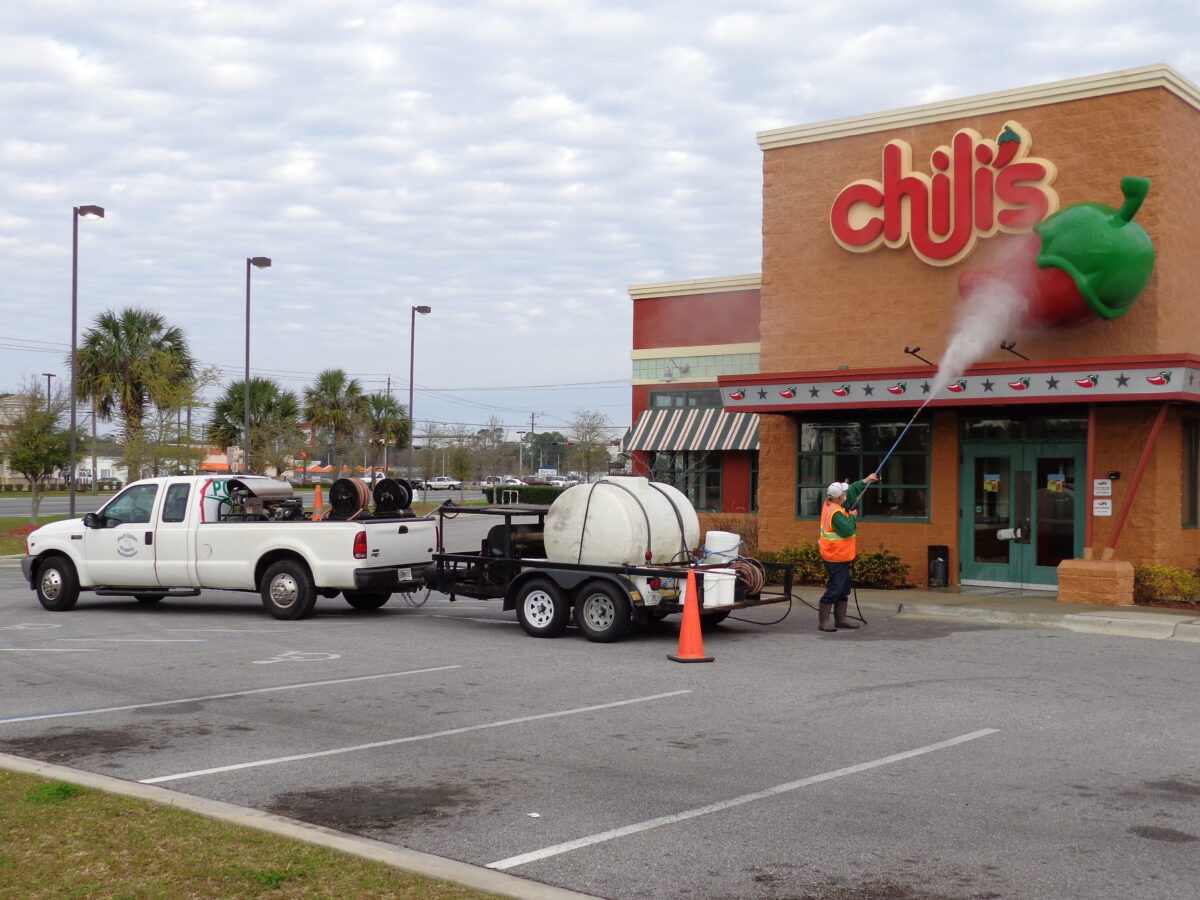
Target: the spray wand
(896, 443)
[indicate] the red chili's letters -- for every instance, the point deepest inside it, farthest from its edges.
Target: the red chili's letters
(978, 187)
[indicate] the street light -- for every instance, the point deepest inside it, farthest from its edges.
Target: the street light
(412, 346)
(260, 262)
(48, 375)
(90, 212)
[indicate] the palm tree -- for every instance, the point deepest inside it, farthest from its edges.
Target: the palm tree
(128, 361)
(335, 401)
(386, 424)
(274, 421)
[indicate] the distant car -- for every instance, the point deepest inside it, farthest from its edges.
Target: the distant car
(444, 483)
(536, 480)
(563, 482)
(416, 483)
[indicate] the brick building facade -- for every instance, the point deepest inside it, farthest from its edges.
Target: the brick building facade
(1010, 468)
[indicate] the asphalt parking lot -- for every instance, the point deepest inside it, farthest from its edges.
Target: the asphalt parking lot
(911, 759)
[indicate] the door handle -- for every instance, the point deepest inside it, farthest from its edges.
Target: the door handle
(149, 538)
(403, 529)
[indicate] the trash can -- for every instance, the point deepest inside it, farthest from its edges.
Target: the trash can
(939, 566)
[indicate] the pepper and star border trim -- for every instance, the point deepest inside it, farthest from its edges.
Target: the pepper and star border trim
(1078, 385)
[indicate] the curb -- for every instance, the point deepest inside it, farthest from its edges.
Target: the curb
(413, 861)
(1183, 628)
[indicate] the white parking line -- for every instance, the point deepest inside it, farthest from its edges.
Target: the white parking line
(407, 740)
(50, 649)
(568, 846)
(268, 690)
(137, 640)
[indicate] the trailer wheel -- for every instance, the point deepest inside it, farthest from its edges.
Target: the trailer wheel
(542, 609)
(57, 584)
(288, 591)
(712, 620)
(367, 599)
(602, 612)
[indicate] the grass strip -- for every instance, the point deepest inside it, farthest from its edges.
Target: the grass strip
(60, 841)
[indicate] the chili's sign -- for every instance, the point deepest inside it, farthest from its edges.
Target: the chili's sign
(976, 187)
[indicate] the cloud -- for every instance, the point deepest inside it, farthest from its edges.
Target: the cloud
(513, 163)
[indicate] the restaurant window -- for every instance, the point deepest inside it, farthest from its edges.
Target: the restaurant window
(847, 450)
(1191, 466)
(696, 473)
(697, 398)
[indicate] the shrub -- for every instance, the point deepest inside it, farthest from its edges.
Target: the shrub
(873, 568)
(1170, 584)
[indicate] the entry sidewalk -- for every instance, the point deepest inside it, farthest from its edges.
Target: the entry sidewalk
(1041, 609)
(1000, 606)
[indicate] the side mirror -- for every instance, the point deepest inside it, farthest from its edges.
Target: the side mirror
(91, 520)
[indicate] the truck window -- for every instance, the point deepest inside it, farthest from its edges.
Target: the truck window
(175, 504)
(132, 505)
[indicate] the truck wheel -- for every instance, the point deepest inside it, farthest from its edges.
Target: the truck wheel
(602, 612)
(288, 591)
(367, 599)
(542, 609)
(57, 584)
(148, 598)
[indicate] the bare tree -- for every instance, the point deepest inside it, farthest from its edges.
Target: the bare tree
(589, 442)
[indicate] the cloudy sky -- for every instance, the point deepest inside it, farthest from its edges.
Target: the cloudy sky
(515, 164)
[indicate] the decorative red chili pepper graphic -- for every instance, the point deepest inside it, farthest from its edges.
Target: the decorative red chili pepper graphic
(1021, 384)
(1086, 260)
(1008, 144)
(1089, 382)
(957, 387)
(788, 393)
(842, 391)
(1160, 379)
(898, 388)
(739, 394)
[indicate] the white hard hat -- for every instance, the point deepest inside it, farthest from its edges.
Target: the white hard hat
(837, 489)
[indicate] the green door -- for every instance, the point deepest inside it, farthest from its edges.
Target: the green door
(1022, 511)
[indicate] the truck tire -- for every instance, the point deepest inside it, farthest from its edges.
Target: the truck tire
(288, 591)
(367, 599)
(57, 584)
(602, 612)
(542, 609)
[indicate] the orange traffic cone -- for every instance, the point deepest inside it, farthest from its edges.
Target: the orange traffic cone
(691, 645)
(318, 503)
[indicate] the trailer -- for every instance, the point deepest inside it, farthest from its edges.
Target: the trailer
(605, 600)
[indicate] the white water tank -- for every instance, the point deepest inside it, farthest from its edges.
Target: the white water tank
(617, 520)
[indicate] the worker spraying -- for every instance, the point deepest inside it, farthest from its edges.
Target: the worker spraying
(838, 549)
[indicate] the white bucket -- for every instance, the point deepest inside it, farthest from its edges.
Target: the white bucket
(718, 588)
(722, 546)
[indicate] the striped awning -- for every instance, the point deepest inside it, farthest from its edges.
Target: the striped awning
(694, 429)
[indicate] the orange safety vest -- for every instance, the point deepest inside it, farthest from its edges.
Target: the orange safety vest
(833, 546)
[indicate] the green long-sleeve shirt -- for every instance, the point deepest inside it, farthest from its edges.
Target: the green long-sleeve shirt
(846, 525)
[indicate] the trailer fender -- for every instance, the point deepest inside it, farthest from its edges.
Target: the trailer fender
(568, 580)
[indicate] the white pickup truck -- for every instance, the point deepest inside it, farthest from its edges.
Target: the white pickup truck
(173, 537)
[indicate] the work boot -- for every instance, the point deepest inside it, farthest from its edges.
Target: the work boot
(839, 615)
(826, 614)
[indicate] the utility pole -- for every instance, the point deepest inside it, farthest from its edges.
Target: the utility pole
(48, 375)
(532, 417)
(385, 439)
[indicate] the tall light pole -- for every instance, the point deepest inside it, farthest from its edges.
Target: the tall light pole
(412, 346)
(260, 262)
(48, 375)
(91, 212)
